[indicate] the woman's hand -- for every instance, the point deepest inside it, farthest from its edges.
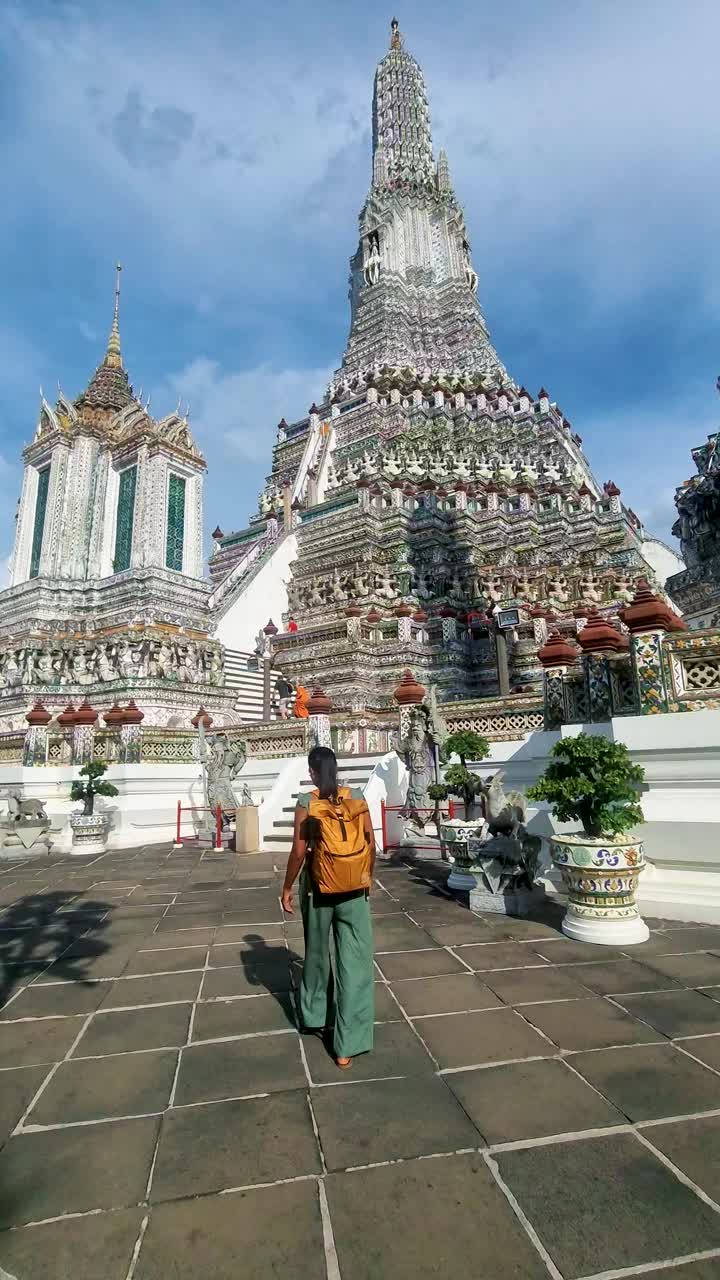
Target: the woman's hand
(287, 902)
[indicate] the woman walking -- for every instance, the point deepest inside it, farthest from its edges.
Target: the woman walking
(334, 845)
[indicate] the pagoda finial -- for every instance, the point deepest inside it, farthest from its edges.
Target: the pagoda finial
(113, 355)
(395, 35)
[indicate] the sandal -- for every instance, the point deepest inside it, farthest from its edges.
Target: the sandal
(343, 1063)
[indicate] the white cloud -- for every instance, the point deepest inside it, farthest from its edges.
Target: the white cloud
(88, 332)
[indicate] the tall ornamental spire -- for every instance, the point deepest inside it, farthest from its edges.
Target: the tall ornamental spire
(113, 355)
(109, 388)
(402, 144)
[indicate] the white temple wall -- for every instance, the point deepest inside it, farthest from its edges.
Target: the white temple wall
(52, 545)
(264, 598)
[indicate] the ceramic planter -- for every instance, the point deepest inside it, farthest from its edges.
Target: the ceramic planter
(90, 832)
(455, 837)
(601, 878)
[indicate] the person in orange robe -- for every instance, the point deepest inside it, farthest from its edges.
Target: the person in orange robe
(302, 697)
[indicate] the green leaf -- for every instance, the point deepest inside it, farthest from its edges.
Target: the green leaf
(592, 780)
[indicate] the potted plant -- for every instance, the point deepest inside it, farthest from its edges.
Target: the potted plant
(455, 833)
(592, 780)
(90, 829)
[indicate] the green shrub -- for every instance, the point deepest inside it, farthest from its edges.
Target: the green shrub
(87, 791)
(593, 781)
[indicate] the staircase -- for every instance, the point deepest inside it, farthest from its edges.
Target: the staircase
(243, 671)
(353, 771)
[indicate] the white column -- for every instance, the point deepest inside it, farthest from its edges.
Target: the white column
(20, 570)
(193, 558)
(107, 520)
(96, 565)
(51, 557)
(73, 557)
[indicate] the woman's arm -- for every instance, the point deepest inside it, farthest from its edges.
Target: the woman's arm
(369, 832)
(296, 859)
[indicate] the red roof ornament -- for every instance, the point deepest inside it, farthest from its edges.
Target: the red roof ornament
(38, 715)
(542, 394)
(584, 492)
(318, 703)
(132, 713)
(85, 714)
(217, 533)
(282, 425)
(649, 613)
(558, 652)
(374, 616)
(409, 692)
(611, 489)
(201, 717)
(67, 717)
(313, 408)
(599, 636)
(353, 610)
(114, 717)
(420, 616)
(270, 629)
(403, 610)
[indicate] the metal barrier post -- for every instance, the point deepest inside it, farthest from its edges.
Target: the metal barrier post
(178, 841)
(218, 831)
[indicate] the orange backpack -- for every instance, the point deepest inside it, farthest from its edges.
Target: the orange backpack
(340, 860)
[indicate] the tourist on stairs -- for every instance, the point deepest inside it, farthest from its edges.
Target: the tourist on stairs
(284, 691)
(334, 845)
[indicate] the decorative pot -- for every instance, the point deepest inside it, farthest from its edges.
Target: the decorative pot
(601, 878)
(90, 832)
(455, 837)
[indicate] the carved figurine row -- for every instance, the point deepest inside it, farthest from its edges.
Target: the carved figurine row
(119, 659)
(430, 582)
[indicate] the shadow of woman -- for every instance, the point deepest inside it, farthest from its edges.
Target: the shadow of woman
(275, 968)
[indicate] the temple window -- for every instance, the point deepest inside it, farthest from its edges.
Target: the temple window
(175, 523)
(39, 522)
(125, 519)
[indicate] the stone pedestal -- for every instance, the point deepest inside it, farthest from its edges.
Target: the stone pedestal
(247, 829)
(518, 903)
(90, 832)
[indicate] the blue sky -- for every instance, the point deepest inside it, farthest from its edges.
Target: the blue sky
(222, 152)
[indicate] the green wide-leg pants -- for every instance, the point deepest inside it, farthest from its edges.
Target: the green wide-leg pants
(351, 995)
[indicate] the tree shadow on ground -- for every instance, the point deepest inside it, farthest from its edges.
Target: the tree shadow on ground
(44, 929)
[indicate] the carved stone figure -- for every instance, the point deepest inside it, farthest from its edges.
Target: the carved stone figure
(222, 761)
(372, 266)
(18, 809)
(504, 812)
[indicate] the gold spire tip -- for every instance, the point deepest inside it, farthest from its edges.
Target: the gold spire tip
(113, 355)
(395, 35)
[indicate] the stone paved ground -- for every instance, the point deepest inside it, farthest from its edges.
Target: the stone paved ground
(533, 1107)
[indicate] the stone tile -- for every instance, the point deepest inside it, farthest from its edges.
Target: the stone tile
(17, 1088)
(418, 964)
(24, 1044)
(709, 1269)
(81, 1248)
(454, 933)
(501, 956)
(680, 941)
(397, 1052)
(186, 921)
(179, 938)
(675, 1013)
(400, 935)
(656, 1216)
(650, 1081)
(236, 1068)
(56, 1000)
(565, 951)
(259, 914)
(697, 970)
(620, 976)
(132, 1084)
(88, 960)
(99, 1166)
(246, 935)
(225, 1237)
(458, 1205)
(249, 979)
(530, 1100)
(390, 1120)
(588, 1024)
(386, 1009)
(170, 960)
(133, 1029)
(515, 929)
(161, 989)
(453, 993)
(521, 986)
(469, 1039)
(706, 1048)
(693, 1146)
(219, 1018)
(234, 1144)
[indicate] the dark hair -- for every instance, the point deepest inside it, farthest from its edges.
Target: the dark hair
(324, 763)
